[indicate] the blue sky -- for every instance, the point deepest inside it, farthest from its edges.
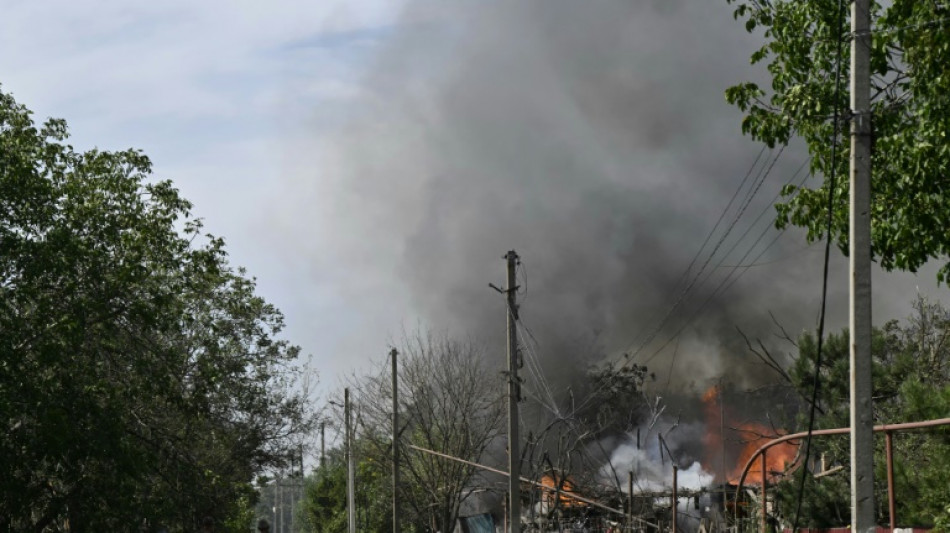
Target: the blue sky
(220, 94)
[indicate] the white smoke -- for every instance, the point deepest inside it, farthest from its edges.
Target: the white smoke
(653, 469)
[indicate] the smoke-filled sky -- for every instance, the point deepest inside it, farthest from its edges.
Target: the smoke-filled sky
(371, 162)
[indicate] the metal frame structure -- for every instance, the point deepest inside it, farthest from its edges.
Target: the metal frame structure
(888, 430)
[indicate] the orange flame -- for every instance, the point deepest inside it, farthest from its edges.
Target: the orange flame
(753, 436)
(778, 458)
(567, 491)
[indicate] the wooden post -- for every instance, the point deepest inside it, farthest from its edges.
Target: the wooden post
(674, 498)
(630, 501)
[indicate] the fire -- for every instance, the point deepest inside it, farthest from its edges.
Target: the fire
(715, 460)
(567, 491)
(727, 464)
(778, 458)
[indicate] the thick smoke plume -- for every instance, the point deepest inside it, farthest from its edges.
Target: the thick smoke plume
(593, 138)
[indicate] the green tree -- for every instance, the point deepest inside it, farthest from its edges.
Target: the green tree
(446, 405)
(140, 378)
(323, 509)
(911, 369)
(910, 67)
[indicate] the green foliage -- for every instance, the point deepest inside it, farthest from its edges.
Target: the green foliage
(827, 504)
(910, 65)
(911, 371)
(324, 505)
(140, 380)
(942, 521)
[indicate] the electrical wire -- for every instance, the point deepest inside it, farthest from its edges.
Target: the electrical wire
(669, 374)
(533, 363)
(702, 307)
(740, 264)
(766, 209)
(685, 275)
(729, 280)
(754, 188)
(824, 284)
(550, 401)
(757, 184)
(529, 356)
(755, 262)
(524, 275)
(720, 289)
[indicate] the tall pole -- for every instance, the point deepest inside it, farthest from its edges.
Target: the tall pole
(638, 452)
(722, 448)
(862, 423)
(396, 528)
(889, 450)
(765, 495)
(514, 395)
(278, 510)
(630, 500)
(295, 484)
(505, 511)
(350, 470)
(675, 470)
(323, 444)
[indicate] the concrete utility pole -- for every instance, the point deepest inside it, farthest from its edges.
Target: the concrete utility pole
(350, 470)
(514, 396)
(862, 422)
(396, 528)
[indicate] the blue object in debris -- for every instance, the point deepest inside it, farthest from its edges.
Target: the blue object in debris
(482, 523)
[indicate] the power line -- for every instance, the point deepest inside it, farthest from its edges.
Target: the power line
(685, 275)
(688, 322)
(527, 355)
(757, 184)
(754, 188)
(536, 369)
(729, 280)
(824, 282)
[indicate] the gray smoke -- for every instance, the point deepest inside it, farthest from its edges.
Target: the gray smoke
(593, 138)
